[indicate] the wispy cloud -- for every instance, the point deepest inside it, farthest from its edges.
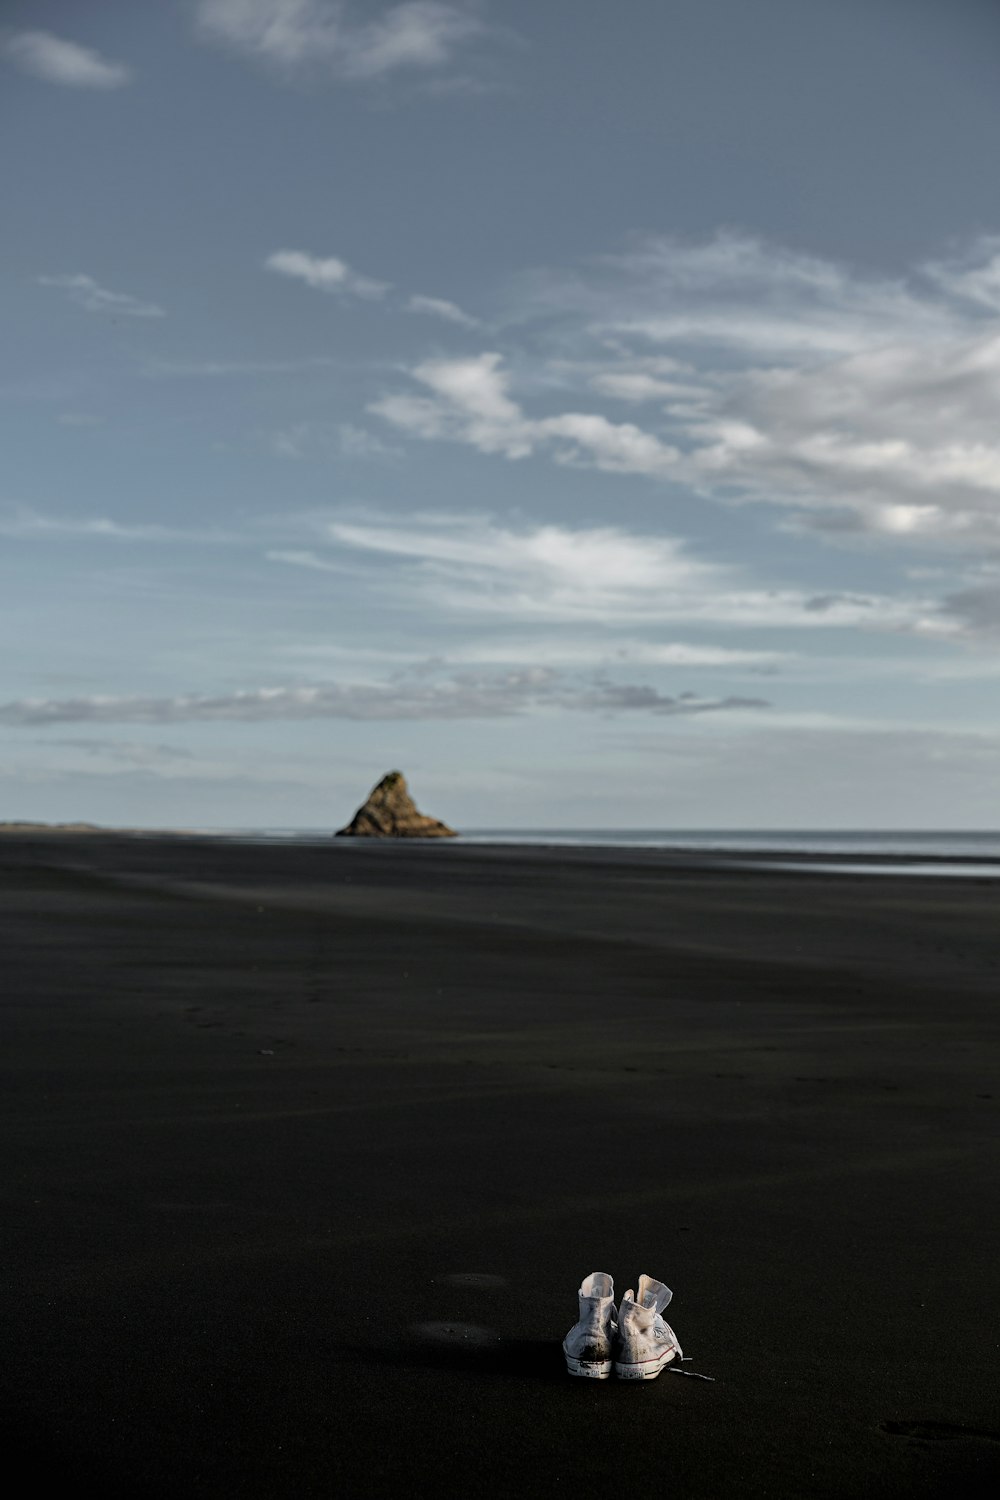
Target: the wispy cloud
(301, 439)
(590, 651)
(555, 649)
(24, 524)
(639, 386)
(418, 36)
(89, 294)
(325, 274)
(734, 292)
(467, 695)
(476, 566)
(359, 442)
(421, 34)
(304, 557)
(57, 60)
(439, 307)
(291, 442)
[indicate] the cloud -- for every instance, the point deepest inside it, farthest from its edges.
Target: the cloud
(325, 274)
(590, 439)
(421, 36)
(437, 307)
(59, 61)
(473, 565)
(87, 293)
(898, 442)
(861, 405)
(467, 695)
(470, 403)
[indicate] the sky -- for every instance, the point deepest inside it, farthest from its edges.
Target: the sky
(588, 409)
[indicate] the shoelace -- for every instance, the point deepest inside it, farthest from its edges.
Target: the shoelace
(693, 1374)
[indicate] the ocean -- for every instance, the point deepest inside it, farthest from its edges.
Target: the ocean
(867, 851)
(926, 844)
(925, 852)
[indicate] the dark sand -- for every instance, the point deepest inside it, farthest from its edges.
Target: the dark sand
(306, 1150)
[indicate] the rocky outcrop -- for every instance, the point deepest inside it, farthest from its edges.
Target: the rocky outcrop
(390, 813)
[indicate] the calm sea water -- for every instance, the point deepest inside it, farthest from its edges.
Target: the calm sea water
(929, 845)
(917, 852)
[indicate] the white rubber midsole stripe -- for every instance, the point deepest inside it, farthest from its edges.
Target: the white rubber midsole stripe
(596, 1370)
(644, 1369)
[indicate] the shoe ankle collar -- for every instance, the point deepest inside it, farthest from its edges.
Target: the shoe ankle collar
(653, 1294)
(597, 1285)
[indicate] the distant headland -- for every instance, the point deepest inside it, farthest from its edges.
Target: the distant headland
(24, 827)
(389, 812)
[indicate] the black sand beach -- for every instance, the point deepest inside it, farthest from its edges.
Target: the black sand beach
(306, 1150)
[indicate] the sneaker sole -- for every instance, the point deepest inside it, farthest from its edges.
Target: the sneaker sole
(646, 1369)
(593, 1370)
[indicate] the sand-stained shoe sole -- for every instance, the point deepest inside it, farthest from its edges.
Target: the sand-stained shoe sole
(644, 1369)
(591, 1369)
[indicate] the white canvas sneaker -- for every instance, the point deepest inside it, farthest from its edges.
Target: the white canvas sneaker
(588, 1344)
(644, 1342)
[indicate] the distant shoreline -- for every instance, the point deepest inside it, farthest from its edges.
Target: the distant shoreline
(52, 828)
(81, 829)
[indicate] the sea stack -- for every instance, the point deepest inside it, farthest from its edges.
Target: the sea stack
(390, 813)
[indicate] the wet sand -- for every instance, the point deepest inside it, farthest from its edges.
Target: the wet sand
(306, 1150)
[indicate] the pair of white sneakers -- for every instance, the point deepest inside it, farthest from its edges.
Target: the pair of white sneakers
(632, 1339)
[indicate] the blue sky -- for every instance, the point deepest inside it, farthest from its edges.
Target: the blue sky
(589, 409)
